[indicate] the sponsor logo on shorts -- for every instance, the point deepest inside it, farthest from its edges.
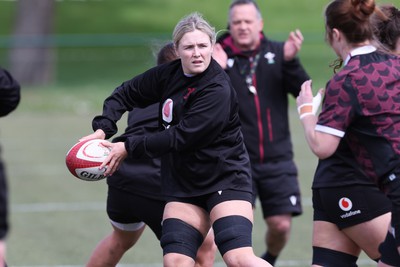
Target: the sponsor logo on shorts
(346, 204)
(349, 214)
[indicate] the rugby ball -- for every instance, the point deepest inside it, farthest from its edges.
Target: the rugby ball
(84, 158)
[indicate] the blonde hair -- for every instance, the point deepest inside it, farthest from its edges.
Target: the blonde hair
(191, 22)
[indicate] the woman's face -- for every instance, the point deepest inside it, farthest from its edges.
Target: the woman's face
(195, 50)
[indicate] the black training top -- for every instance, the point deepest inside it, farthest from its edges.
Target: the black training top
(200, 137)
(363, 102)
(139, 176)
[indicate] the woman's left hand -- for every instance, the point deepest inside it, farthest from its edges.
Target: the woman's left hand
(308, 104)
(305, 95)
(117, 154)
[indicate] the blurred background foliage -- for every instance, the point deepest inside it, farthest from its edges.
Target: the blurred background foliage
(107, 42)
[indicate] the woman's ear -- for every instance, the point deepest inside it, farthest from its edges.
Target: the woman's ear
(336, 35)
(176, 51)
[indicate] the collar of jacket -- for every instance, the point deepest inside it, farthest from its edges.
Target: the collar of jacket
(227, 44)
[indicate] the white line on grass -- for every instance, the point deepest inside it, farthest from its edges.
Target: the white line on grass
(77, 206)
(59, 206)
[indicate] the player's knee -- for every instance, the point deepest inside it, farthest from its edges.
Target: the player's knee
(232, 232)
(327, 257)
(125, 240)
(173, 259)
(126, 235)
(279, 225)
(281, 228)
(206, 253)
(180, 237)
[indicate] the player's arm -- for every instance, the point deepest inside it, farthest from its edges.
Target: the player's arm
(322, 144)
(141, 91)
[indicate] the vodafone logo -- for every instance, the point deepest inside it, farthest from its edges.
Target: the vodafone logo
(167, 110)
(345, 204)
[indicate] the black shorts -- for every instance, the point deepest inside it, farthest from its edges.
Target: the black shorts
(349, 205)
(209, 201)
(277, 187)
(128, 209)
(388, 250)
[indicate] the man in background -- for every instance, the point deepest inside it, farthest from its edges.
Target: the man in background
(263, 73)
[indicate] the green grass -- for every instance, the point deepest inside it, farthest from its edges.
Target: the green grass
(57, 219)
(34, 147)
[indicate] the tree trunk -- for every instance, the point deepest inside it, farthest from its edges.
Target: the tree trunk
(32, 55)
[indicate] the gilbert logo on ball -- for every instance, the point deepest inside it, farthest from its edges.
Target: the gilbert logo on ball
(84, 158)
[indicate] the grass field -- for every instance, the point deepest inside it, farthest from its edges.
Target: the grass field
(56, 219)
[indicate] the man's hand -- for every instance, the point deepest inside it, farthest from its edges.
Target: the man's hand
(220, 56)
(292, 45)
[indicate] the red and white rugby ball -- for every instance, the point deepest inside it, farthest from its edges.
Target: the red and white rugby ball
(84, 158)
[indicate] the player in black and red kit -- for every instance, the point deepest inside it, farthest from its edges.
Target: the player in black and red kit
(265, 73)
(347, 204)
(10, 95)
(134, 197)
(205, 166)
(344, 196)
(361, 108)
